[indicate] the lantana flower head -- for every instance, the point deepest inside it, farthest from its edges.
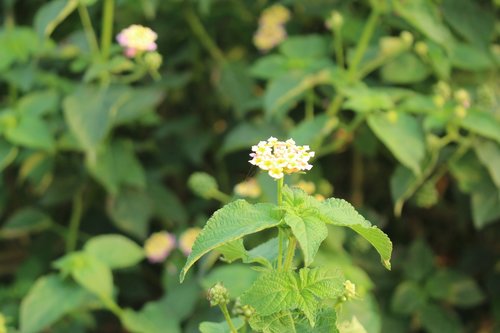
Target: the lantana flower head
(249, 188)
(186, 240)
(137, 39)
(158, 246)
(271, 31)
(274, 15)
(281, 157)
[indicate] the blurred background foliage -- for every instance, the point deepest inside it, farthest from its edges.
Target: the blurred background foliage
(399, 99)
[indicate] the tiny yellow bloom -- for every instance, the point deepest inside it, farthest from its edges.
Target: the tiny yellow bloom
(158, 246)
(186, 240)
(268, 36)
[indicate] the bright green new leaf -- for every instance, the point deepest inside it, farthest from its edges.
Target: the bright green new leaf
(363, 99)
(231, 222)
(403, 136)
(50, 298)
(222, 327)
(283, 291)
(116, 251)
(51, 14)
(341, 213)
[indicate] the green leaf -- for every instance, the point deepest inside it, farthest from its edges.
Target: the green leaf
(222, 327)
(25, 221)
(405, 69)
(485, 205)
(424, 16)
(439, 60)
(167, 205)
(455, 288)
(312, 131)
(237, 278)
(340, 213)
(404, 137)
(402, 184)
(48, 300)
(244, 135)
(90, 112)
(231, 222)
(482, 123)
(139, 102)
(31, 132)
(116, 165)
(360, 315)
(116, 251)
(363, 99)
(8, 154)
(470, 20)
(275, 291)
(38, 103)
(269, 67)
(488, 153)
(51, 14)
(153, 318)
(131, 211)
(419, 262)
(436, 319)
(468, 57)
(18, 44)
(310, 46)
(264, 254)
(89, 272)
(408, 298)
(236, 85)
(276, 323)
(326, 321)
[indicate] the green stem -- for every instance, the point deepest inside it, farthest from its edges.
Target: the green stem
(310, 104)
(280, 191)
(89, 30)
(111, 305)
(223, 308)
(338, 45)
(107, 28)
(290, 252)
(74, 222)
(363, 43)
(280, 230)
(221, 196)
(335, 105)
(203, 36)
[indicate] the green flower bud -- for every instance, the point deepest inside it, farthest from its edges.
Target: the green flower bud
(460, 111)
(153, 60)
(349, 290)
(203, 184)
(218, 294)
(335, 21)
(392, 116)
(421, 48)
(462, 97)
(243, 310)
(407, 38)
(426, 196)
(439, 101)
(443, 89)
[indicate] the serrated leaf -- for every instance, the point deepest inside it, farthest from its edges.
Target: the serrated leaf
(276, 323)
(231, 222)
(404, 137)
(49, 299)
(340, 213)
(283, 291)
(116, 251)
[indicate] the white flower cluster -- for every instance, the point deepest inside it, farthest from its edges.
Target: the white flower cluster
(279, 158)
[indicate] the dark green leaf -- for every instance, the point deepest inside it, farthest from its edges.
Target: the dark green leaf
(31, 132)
(408, 298)
(436, 319)
(51, 14)
(455, 288)
(25, 221)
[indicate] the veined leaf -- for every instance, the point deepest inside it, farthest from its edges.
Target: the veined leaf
(276, 323)
(403, 136)
(264, 254)
(231, 222)
(340, 213)
(275, 292)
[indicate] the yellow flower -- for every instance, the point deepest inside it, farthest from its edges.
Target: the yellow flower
(158, 246)
(249, 188)
(274, 15)
(186, 240)
(268, 36)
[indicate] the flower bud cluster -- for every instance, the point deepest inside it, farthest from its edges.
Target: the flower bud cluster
(218, 295)
(243, 310)
(137, 39)
(160, 244)
(271, 31)
(334, 21)
(249, 188)
(279, 158)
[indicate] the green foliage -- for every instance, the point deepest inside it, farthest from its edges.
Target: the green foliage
(115, 251)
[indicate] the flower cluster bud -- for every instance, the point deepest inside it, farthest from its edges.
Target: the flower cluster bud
(137, 39)
(334, 21)
(218, 295)
(249, 188)
(349, 291)
(158, 246)
(281, 157)
(203, 185)
(271, 31)
(422, 49)
(407, 38)
(462, 97)
(243, 310)
(153, 60)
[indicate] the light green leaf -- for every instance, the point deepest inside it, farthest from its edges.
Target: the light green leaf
(269, 67)
(482, 123)
(469, 57)
(405, 69)
(264, 254)
(153, 318)
(25, 221)
(231, 222)
(326, 321)
(48, 300)
(309, 46)
(92, 274)
(131, 211)
(236, 85)
(489, 154)
(51, 14)
(237, 278)
(408, 298)
(361, 316)
(455, 288)
(340, 213)
(485, 204)
(116, 165)
(116, 251)
(312, 131)
(363, 99)
(276, 291)
(31, 132)
(222, 327)
(403, 136)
